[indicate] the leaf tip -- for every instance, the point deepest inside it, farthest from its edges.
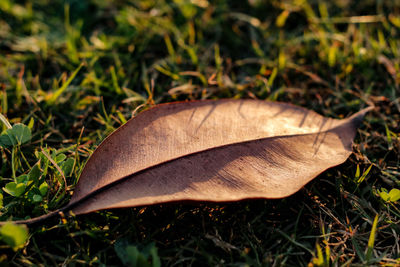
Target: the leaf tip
(357, 118)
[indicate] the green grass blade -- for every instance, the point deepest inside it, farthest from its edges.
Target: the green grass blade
(57, 94)
(371, 239)
(364, 175)
(357, 175)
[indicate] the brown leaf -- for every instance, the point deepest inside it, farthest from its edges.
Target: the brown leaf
(223, 150)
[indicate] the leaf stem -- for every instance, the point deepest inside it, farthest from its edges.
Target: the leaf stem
(36, 219)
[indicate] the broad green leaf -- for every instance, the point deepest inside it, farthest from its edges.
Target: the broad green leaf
(384, 194)
(1, 200)
(14, 235)
(22, 179)
(132, 255)
(67, 166)
(154, 255)
(147, 258)
(17, 135)
(43, 188)
(135, 257)
(394, 194)
(35, 173)
(22, 133)
(59, 158)
(37, 198)
(14, 189)
(120, 248)
(7, 140)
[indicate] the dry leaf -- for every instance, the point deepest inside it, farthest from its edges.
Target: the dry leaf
(224, 150)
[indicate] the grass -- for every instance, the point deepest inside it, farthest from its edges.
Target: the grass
(73, 71)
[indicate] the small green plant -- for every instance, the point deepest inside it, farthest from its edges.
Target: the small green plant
(29, 186)
(392, 196)
(30, 183)
(360, 178)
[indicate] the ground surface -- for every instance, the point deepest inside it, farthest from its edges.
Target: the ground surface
(73, 71)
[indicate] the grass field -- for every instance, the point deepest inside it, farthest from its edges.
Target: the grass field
(73, 71)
